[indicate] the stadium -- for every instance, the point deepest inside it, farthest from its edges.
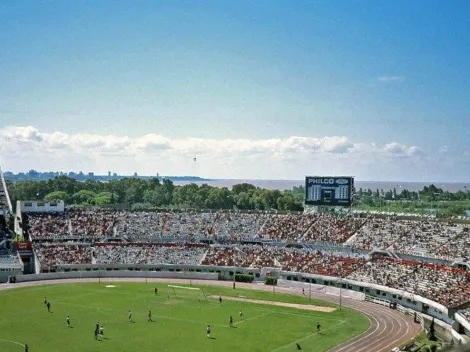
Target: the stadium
(334, 281)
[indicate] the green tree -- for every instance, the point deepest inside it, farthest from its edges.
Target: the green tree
(103, 198)
(242, 201)
(289, 203)
(243, 188)
(56, 195)
(219, 198)
(83, 197)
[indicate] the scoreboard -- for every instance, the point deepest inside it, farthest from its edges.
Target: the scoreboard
(326, 190)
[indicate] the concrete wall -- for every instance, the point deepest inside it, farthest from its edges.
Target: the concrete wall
(33, 206)
(117, 274)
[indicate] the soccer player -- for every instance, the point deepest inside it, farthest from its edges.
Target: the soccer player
(45, 301)
(220, 299)
(68, 321)
(208, 331)
(129, 316)
(241, 314)
(297, 346)
(26, 348)
(318, 328)
(97, 330)
(48, 306)
(150, 315)
(156, 290)
(230, 321)
(303, 292)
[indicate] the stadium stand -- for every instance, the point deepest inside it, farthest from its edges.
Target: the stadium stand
(447, 285)
(10, 262)
(295, 260)
(53, 226)
(52, 254)
(430, 238)
(149, 254)
(333, 228)
(290, 227)
(323, 244)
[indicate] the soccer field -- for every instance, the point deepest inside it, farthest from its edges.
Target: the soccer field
(178, 321)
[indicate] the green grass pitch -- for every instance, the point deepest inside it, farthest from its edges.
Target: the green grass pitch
(179, 322)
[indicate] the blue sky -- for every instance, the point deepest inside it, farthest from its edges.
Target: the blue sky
(266, 89)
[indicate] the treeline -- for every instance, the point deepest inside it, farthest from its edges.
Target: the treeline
(153, 193)
(429, 200)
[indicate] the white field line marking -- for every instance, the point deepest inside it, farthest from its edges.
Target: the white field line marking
(298, 306)
(252, 318)
(11, 341)
(307, 337)
(312, 315)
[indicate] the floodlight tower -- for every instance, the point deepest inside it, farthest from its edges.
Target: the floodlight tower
(5, 202)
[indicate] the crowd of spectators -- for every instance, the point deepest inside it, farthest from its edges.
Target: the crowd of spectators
(295, 260)
(222, 256)
(446, 285)
(48, 226)
(321, 263)
(95, 224)
(52, 254)
(286, 227)
(187, 225)
(427, 237)
(141, 226)
(237, 225)
(333, 228)
(149, 254)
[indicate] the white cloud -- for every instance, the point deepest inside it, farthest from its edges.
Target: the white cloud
(402, 150)
(389, 79)
(444, 149)
(24, 148)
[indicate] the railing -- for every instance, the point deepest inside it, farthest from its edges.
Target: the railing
(382, 302)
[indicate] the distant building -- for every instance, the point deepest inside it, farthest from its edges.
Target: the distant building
(135, 174)
(91, 174)
(109, 173)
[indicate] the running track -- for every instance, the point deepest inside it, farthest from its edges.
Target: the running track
(388, 328)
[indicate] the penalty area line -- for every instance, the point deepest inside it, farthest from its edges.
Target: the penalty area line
(11, 341)
(252, 318)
